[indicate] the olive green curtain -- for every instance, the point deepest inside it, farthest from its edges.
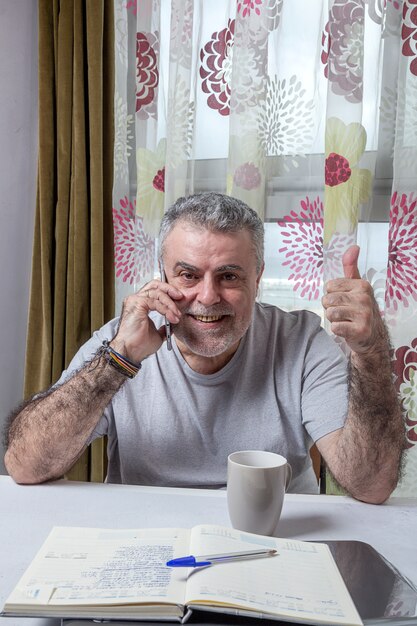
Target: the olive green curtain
(72, 291)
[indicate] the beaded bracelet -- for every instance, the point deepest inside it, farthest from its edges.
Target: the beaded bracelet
(121, 363)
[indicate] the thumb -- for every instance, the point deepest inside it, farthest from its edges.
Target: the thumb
(350, 262)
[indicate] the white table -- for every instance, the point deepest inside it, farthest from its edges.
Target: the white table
(27, 513)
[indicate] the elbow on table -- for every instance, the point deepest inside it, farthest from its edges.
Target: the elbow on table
(372, 498)
(22, 473)
(376, 494)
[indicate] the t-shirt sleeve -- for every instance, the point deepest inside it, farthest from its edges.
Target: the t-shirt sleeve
(325, 386)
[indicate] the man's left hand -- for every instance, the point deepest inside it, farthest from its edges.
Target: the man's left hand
(351, 307)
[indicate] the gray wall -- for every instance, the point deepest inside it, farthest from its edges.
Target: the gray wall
(18, 155)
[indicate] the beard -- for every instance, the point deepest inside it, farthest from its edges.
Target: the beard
(211, 341)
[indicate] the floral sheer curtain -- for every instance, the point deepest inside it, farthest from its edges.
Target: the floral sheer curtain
(304, 109)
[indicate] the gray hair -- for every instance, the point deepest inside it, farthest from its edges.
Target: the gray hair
(218, 213)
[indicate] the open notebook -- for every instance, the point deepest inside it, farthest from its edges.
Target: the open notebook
(302, 585)
(381, 594)
(121, 574)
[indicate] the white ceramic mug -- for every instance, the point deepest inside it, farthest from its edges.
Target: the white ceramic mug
(256, 484)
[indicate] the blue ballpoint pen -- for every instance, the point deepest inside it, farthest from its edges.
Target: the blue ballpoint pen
(211, 559)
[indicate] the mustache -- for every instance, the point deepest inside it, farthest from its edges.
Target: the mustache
(214, 310)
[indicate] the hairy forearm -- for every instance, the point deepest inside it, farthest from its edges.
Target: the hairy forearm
(48, 435)
(367, 458)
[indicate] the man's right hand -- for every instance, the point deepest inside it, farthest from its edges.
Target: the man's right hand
(137, 337)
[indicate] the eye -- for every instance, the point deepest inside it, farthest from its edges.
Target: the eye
(229, 277)
(188, 276)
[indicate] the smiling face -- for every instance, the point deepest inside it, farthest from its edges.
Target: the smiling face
(217, 274)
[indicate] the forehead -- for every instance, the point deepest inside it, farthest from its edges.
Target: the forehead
(192, 243)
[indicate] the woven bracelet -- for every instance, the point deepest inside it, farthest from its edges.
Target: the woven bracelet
(121, 363)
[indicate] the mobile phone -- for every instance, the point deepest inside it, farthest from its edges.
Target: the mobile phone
(167, 323)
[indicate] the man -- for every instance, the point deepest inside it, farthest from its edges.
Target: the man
(241, 375)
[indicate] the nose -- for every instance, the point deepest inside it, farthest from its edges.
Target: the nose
(208, 293)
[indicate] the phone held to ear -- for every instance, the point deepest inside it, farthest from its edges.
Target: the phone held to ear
(167, 323)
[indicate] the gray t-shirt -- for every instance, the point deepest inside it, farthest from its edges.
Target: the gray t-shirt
(285, 387)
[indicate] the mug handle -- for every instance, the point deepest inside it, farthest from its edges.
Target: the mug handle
(288, 476)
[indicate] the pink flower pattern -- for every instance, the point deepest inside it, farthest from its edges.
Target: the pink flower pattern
(409, 33)
(215, 59)
(247, 176)
(246, 6)
(402, 252)
(147, 74)
(303, 235)
(342, 49)
(158, 182)
(337, 170)
(132, 5)
(133, 248)
(405, 365)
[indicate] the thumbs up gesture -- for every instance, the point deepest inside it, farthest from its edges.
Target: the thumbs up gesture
(351, 308)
